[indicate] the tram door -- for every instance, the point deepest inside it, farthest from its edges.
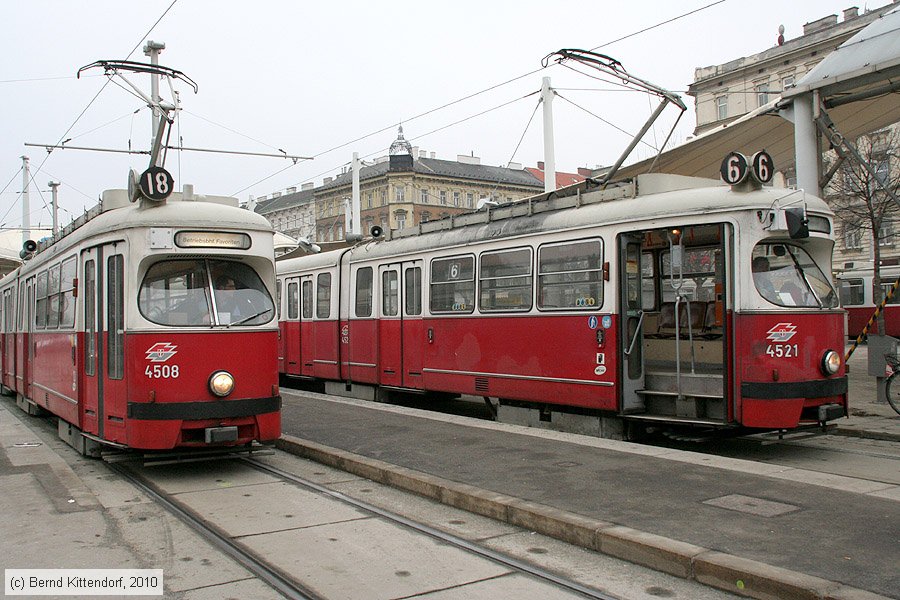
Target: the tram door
(631, 335)
(307, 331)
(9, 339)
(105, 406)
(24, 350)
(290, 336)
(400, 327)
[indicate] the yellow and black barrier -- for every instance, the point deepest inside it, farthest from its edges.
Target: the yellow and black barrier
(865, 332)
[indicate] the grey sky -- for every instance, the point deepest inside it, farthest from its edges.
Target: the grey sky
(306, 77)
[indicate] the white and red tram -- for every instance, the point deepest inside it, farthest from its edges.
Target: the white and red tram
(149, 326)
(601, 310)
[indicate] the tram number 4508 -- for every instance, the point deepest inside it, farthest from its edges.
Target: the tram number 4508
(162, 371)
(783, 350)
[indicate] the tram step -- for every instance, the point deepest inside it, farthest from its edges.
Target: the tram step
(675, 419)
(675, 394)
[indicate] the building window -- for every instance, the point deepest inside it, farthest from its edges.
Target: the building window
(401, 220)
(423, 196)
(383, 197)
(470, 200)
(853, 239)
(443, 197)
(721, 107)
(339, 232)
(369, 200)
(786, 82)
(762, 94)
(882, 170)
(455, 198)
(886, 233)
(425, 217)
(399, 194)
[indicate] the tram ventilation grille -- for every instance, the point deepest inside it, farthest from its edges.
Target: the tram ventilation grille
(481, 384)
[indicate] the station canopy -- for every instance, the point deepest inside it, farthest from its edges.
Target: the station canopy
(859, 84)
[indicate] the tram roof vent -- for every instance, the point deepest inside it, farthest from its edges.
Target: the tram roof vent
(113, 199)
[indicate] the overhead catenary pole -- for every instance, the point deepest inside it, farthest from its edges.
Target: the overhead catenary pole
(54, 204)
(547, 95)
(26, 202)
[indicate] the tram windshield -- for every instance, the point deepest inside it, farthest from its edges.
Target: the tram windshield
(786, 275)
(192, 292)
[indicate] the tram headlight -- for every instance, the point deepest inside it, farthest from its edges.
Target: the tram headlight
(831, 362)
(221, 383)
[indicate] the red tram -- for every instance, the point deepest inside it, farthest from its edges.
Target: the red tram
(134, 326)
(855, 285)
(600, 309)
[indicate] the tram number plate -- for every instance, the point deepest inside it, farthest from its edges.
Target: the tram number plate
(162, 371)
(783, 350)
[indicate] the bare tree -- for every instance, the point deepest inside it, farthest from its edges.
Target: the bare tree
(859, 200)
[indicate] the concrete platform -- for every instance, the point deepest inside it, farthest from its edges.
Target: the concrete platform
(761, 530)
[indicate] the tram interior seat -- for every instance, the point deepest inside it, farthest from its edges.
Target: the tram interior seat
(702, 322)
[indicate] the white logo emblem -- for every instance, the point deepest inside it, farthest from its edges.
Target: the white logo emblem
(161, 352)
(782, 332)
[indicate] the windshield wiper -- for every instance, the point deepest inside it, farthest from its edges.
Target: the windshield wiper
(250, 318)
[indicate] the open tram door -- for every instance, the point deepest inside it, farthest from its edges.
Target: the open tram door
(677, 296)
(631, 319)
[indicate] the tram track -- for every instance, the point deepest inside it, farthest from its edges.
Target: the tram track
(287, 585)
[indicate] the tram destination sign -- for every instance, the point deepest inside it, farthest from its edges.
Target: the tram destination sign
(212, 239)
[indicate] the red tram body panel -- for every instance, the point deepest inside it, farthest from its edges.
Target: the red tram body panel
(661, 301)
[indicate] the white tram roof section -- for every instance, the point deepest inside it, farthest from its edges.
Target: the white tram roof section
(642, 200)
(115, 213)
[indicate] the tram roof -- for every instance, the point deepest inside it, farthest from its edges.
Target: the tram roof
(116, 213)
(648, 198)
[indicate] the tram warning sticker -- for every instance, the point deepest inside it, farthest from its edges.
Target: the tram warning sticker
(592, 322)
(161, 352)
(607, 322)
(782, 332)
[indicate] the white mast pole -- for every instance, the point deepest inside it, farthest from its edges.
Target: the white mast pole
(356, 205)
(26, 202)
(54, 204)
(152, 49)
(549, 158)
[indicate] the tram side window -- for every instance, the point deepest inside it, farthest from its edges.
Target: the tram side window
(90, 318)
(41, 301)
(412, 292)
(364, 292)
(115, 317)
(278, 299)
(505, 280)
(852, 292)
(570, 276)
(390, 294)
(307, 299)
(323, 295)
(885, 288)
(67, 293)
(293, 300)
(53, 298)
(648, 281)
(697, 276)
(453, 284)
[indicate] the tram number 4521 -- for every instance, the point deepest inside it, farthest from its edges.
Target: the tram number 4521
(783, 350)
(162, 371)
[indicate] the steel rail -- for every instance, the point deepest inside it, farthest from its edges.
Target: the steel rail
(437, 534)
(221, 541)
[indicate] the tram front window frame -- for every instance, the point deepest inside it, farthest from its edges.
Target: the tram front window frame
(192, 292)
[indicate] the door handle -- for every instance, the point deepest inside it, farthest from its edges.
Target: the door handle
(430, 335)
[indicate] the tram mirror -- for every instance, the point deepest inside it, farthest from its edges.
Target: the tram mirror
(797, 223)
(376, 231)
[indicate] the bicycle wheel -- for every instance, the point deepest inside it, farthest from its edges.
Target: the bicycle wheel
(892, 392)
